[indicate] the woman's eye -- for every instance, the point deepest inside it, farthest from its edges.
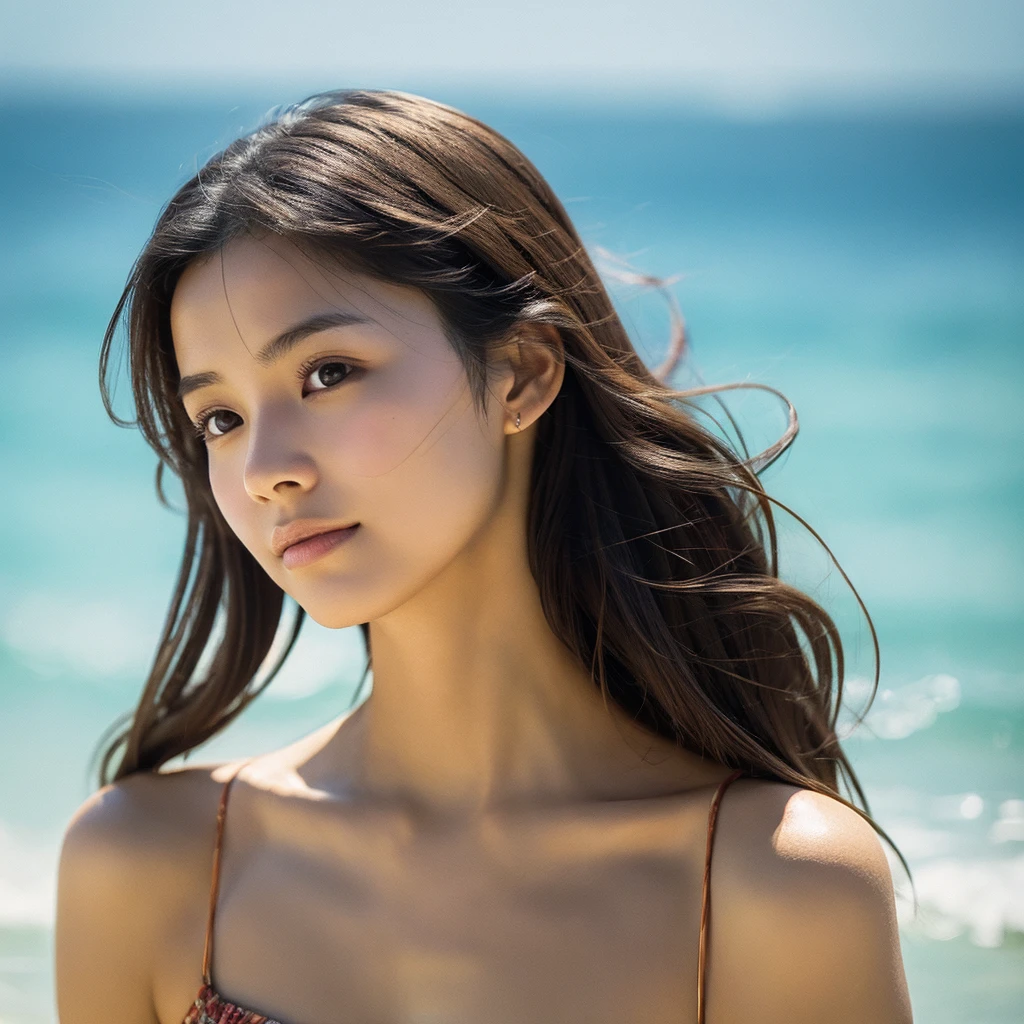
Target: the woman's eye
(203, 423)
(330, 374)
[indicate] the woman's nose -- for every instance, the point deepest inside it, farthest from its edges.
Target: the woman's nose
(278, 458)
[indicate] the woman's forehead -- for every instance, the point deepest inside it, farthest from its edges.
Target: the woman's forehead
(254, 288)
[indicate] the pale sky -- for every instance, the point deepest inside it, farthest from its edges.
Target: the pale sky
(735, 52)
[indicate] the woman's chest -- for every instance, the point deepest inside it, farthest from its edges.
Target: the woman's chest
(564, 925)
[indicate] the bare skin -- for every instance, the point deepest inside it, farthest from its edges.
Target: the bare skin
(482, 839)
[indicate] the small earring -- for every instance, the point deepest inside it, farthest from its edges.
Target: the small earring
(517, 421)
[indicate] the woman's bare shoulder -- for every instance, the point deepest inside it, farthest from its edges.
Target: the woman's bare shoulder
(148, 814)
(132, 852)
(776, 833)
(804, 913)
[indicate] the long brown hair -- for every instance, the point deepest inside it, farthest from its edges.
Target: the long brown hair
(652, 542)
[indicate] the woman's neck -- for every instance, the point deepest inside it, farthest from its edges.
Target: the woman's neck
(477, 704)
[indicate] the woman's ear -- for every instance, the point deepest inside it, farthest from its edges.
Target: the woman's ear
(531, 367)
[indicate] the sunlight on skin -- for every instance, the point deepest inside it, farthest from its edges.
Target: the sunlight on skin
(804, 822)
(367, 449)
(819, 829)
(475, 700)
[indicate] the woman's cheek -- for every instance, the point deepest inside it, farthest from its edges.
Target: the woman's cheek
(424, 470)
(237, 507)
(441, 494)
(368, 444)
(374, 438)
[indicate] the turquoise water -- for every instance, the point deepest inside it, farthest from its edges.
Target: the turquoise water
(870, 267)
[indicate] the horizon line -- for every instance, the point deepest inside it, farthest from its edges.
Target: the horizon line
(949, 98)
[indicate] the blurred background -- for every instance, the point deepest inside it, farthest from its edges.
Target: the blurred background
(836, 190)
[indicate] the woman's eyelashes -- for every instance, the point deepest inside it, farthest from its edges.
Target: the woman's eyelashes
(329, 380)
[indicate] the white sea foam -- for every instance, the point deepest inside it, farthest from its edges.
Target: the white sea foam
(983, 898)
(896, 713)
(968, 875)
(28, 877)
(917, 839)
(1009, 825)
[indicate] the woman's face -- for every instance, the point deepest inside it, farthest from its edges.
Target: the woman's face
(361, 414)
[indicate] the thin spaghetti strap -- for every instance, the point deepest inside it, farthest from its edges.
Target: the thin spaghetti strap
(215, 883)
(705, 906)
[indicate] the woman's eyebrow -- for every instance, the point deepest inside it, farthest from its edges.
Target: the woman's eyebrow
(278, 346)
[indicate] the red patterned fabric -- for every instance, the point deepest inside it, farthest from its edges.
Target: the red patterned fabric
(209, 1008)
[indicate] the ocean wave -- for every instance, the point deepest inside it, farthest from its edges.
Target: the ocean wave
(1009, 825)
(917, 839)
(968, 877)
(982, 898)
(897, 713)
(28, 877)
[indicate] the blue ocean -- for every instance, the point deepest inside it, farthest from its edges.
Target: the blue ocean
(870, 266)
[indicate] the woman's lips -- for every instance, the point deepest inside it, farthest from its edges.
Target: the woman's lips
(310, 550)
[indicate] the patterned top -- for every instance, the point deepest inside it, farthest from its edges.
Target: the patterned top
(210, 1008)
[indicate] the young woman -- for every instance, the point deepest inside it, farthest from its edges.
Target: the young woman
(370, 343)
